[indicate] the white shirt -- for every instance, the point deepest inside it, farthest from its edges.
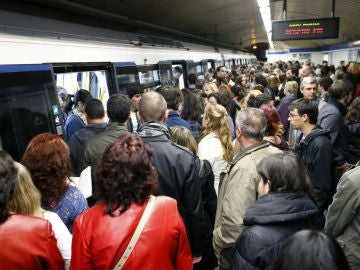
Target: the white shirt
(134, 121)
(62, 236)
(210, 148)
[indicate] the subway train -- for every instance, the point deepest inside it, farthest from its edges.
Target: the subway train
(35, 65)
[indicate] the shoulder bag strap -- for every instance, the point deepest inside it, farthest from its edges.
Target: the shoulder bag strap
(145, 216)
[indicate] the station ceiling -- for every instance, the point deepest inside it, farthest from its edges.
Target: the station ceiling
(234, 23)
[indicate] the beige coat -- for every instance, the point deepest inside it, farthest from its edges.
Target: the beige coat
(343, 218)
(237, 191)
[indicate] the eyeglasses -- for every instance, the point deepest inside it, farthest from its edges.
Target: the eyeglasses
(291, 115)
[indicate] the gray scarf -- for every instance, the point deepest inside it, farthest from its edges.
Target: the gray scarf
(153, 129)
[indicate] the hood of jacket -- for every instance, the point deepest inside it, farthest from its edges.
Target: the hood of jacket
(280, 207)
(316, 132)
(153, 129)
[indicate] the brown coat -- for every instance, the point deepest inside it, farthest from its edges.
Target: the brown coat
(237, 191)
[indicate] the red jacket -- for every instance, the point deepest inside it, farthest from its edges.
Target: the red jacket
(99, 240)
(28, 243)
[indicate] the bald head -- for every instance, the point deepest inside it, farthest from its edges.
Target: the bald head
(152, 107)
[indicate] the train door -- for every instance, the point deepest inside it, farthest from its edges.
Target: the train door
(210, 64)
(127, 76)
(199, 69)
(218, 63)
(149, 77)
(228, 64)
(180, 70)
(97, 78)
(28, 106)
(191, 67)
(204, 67)
(165, 72)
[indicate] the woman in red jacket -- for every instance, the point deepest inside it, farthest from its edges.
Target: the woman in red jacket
(28, 242)
(124, 180)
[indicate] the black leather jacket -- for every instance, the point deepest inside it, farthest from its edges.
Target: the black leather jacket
(178, 178)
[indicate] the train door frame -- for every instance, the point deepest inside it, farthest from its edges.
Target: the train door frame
(21, 81)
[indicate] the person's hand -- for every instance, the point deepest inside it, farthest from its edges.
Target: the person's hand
(343, 168)
(196, 259)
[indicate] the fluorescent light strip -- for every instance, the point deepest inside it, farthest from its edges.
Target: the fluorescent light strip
(264, 7)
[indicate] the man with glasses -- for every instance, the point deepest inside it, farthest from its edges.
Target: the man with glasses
(314, 148)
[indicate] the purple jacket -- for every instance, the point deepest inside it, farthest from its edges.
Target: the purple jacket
(284, 113)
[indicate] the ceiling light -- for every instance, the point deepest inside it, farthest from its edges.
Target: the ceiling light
(264, 7)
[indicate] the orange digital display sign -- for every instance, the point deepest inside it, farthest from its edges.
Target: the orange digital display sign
(305, 29)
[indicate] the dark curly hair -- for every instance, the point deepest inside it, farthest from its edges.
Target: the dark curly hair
(47, 157)
(125, 174)
(257, 101)
(8, 176)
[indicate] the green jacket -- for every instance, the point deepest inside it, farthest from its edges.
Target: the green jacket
(96, 146)
(343, 217)
(237, 191)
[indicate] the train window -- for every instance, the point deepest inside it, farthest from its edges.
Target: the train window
(178, 78)
(191, 67)
(156, 75)
(28, 106)
(204, 66)
(326, 57)
(148, 77)
(93, 81)
(199, 72)
(126, 78)
(228, 64)
(165, 72)
(165, 76)
(218, 63)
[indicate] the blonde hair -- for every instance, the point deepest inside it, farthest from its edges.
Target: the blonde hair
(210, 86)
(353, 68)
(218, 124)
(291, 87)
(26, 199)
(183, 137)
